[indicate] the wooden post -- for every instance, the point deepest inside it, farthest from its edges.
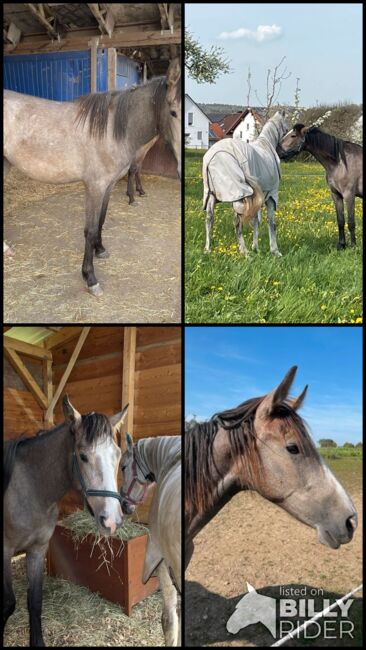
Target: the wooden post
(112, 68)
(26, 377)
(65, 376)
(48, 389)
(128, 377)
(93, 64)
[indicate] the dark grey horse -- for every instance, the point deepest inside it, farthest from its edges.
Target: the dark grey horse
(342, 161)
(95, 140)
(79, 453)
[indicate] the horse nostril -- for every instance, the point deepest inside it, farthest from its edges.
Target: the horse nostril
(351, 524)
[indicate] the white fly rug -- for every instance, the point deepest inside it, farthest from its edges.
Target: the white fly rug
(230, 163)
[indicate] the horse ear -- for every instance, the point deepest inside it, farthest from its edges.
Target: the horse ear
(118, 419)
(129, 442)
(72, 416)
(277, 395)
(173, 76)
(298, 401)
(249, 587)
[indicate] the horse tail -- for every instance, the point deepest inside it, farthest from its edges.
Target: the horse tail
(249, 206)
(10, 450)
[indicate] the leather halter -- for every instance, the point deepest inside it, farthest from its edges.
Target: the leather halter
(90, 492)
(148, 478)
(293, 152)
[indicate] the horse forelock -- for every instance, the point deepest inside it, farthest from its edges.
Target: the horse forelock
(96, 427)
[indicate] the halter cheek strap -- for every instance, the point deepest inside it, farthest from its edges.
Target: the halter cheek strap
(89, 492)
(148, 478)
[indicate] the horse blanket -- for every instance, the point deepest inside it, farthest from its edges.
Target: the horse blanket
(230, 164)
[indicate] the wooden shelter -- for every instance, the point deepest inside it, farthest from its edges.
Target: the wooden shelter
(101, 368)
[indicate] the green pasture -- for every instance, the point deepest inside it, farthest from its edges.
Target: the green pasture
(312, 283)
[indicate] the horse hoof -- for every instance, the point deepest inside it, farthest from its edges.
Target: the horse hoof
(96, 290)
(102, 255)
(207, 251)
(142, 193)
(341, 247)
(276, 253)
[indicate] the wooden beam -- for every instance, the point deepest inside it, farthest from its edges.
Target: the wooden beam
(93, 64)
(48, 388)
(38, 12)
(123, 39)
(112, 68)
(106, 24)
(28, 349)
(128, 377)
(26, 377)
(65, 376)
(64, 335)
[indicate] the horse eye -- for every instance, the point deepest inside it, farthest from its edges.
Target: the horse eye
(83, 458)
(293, 449)
(173, 114)
(123, 468)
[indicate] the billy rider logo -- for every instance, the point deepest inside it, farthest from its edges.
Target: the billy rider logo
(283, 619)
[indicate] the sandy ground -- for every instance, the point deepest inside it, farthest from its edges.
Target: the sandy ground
(45, 226)
(252, 540)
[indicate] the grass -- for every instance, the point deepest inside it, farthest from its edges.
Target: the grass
(340, 452)
(312, 283)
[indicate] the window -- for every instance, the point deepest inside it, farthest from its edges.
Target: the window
(241, 135)
(190, 119)
(199, 135)
(247, 126)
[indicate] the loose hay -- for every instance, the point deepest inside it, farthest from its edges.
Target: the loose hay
(74, 616)
(81, 525)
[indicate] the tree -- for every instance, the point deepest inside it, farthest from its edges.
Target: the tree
(359, 445)
(204, 66)
(327, 442)
(273, 87)
(348, 444)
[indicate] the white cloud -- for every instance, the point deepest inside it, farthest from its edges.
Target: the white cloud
(261, 34)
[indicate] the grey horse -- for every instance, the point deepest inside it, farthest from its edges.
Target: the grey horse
(246, 175)
(342, 161)
(158, 460)
(94, 139)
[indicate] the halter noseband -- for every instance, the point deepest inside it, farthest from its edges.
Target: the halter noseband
(91, 493)
(148, 478)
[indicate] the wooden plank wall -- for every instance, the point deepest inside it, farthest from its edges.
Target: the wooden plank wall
(22, 414)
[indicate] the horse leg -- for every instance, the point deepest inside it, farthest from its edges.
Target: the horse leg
(94, 204)
(209, 221)
(338, 202)
(272, 228)
(9, 597)
(138, 184)
(239, 233)
(35, 567)
(169, 618)
(130, 185)
(255, 223)
(100, 251)
(350, 202)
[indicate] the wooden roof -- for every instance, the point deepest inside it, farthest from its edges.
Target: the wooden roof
(148, 32)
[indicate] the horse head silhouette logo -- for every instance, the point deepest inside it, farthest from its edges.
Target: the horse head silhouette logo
(253, 608)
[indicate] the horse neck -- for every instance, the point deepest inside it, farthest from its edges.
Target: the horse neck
(269, 133)
(224, 484)
(48, 460)
(321, 157)
(158, 454)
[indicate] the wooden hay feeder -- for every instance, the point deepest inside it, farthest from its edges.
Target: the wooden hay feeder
(120, 581)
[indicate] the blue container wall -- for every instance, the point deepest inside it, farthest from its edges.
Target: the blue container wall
(128, 72)
(63, 76)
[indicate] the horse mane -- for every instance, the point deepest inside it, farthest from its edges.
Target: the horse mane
(329, 144)
(96, 427)
(97, 106)
(239, 423)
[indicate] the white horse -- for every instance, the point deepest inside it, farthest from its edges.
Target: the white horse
(246, 175)
(158, 460)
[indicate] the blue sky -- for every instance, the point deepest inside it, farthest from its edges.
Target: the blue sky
(224, 366)
(322, 43)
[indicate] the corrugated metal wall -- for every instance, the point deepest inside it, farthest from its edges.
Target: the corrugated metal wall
(63, 76)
